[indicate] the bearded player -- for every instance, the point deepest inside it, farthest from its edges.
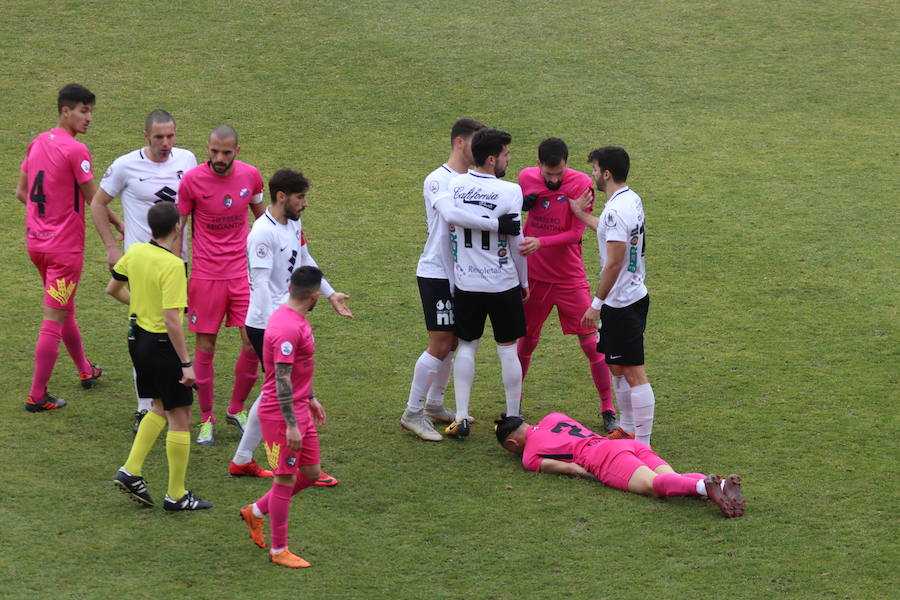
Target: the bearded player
(560, 444)
(216, 196)
(556, 274)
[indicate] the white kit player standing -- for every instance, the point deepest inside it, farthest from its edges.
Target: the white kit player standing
(276, 247)
(142, 178)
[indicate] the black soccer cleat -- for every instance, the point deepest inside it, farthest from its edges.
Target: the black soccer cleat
(89, 379)
(133, 486)
(610, 422)
(48, 403)
(458, 429)
(187, 502)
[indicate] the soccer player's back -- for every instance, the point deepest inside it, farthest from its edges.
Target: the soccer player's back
(56, 179)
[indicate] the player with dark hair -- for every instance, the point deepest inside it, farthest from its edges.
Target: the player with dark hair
(275, 247)
(156, 298)
(56, 180)
(490, 274)
(432, 370)
(216, 196)
(560, 444)
(289, 413)
(142, 178)
(556, 274)
(621, 300)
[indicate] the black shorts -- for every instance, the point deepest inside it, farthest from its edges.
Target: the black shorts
(622, 333)
(504, 308)
(158, 369)
(256, 340)
(437, 302)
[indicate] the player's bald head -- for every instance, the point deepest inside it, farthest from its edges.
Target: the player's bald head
(223, 133)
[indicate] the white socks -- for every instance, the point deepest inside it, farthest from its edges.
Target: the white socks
(435, 396)
(424, 373)
(251, 437)
(643, 404)
(511, 371)
(623, 399)
(464, 375)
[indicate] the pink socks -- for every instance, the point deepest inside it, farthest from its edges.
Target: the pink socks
(71, 337)
(46, 350)
(599, 371)
(279, 509)
(205, 372)
(673, 484)
(246, 371)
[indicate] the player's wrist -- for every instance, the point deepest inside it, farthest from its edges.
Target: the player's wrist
(187, 364)
(597, 303)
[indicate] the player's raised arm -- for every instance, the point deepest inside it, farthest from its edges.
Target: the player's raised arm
(580, 206)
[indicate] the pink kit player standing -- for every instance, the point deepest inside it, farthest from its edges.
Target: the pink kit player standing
(216, 195)
(288, 414)
(57, 177)
(556, 274)
(560, 444)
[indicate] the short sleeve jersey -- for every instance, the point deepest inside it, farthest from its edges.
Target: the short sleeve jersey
(288, 340)
(141, 183)
(482, 261)
(557, 436)
(622, 220)
(275, 247)
(433, 262)
(218, 208)
(56, 164)
(559, 259)
(157, 281)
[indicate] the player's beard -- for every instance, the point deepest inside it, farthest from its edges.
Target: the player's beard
(553, 186)
(218, 168)
(313, 305)
(291, 214)
(498, 173)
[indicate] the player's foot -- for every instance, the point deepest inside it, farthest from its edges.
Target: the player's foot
(206, 436)
(250, 469)
(89, 379)
(458, 429)
(134, 486)
(138, 417)
(254, 524)
(48, 403)
(419, 424)
(610, 422)
(439, 414)
(714, 492)
(286, 558)
(733, 493)
(239, 420)
(620, 434)
(326, 480)
(187, 502)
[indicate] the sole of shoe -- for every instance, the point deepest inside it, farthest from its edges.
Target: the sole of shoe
(124, 489)
(734, 494)
(717, 496)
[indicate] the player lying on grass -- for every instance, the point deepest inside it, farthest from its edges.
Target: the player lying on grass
(560, 444)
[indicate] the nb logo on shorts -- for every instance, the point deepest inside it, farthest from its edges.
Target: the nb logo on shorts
(63, 291)
(272, 453)
(444, 313)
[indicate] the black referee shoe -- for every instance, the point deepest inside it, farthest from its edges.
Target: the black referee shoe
(133, 486)
(187, 502)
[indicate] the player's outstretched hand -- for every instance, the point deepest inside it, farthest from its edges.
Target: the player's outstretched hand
(529, 245)
(590, 318)
(318, 413)
(339, 302)
(509, 224)
(187, 376)
(113, 254)
(582, 202)
(528, 201)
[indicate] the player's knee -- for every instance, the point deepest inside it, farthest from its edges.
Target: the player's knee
(311, 472)
(527, 344)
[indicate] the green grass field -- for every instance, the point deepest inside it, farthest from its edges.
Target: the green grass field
(764, 142)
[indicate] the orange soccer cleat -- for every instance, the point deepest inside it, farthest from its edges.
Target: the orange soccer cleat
(254, 524)
(286, 558)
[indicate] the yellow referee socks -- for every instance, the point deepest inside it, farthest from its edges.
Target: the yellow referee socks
(151, 426)
(178, 451)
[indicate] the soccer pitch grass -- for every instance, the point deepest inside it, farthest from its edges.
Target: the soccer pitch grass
(764, 143)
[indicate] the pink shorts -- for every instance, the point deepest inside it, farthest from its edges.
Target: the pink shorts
(283, 460)
(570, 301)
(209, 301)
(614, 461)
(60, 274)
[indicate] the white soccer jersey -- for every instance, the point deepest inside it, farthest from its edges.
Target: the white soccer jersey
(273, 252)
(485, 261)
(622, 220)
(434, 261)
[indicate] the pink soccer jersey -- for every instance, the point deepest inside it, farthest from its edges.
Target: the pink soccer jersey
(550, 219)
(288, 339)
(218, 206)
(56, 164)
(557, 436)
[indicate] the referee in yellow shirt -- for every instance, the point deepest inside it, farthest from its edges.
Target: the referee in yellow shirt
(158, 295)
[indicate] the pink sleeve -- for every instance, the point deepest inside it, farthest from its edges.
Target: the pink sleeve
(283, 347)
(258, 184)
(80, 163)
(531, 461)
(185, 197)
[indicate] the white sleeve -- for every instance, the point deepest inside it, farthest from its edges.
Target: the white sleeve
(520, 262)
(259, 286)
(113, 181)
(306, 260)
(460, 217)
(615, 226)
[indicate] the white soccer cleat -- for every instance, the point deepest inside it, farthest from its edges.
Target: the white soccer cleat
(419, 424)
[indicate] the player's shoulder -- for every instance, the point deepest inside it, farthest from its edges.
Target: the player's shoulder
(264, 226)
(242, 168)
(183, 158)
(127, 159)
(196, 172)
(577, 177)
(438, 179)
(530, 175)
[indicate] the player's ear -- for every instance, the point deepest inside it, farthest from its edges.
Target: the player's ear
(237, 150)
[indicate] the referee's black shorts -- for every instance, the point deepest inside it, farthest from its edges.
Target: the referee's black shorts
(158, 369)
(622, 333)
(504, 308)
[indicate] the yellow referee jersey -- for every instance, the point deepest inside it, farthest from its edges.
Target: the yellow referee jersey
(157, 281)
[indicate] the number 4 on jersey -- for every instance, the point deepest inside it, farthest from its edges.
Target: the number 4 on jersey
(37, 193)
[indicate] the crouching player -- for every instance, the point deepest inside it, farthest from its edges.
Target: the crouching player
(164, 372)
(288, 414)
(560, 444)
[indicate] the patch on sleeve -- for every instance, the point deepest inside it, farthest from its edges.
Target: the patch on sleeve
(287, 348)
(611, 219)
(86, 166)
(108, 173)
(434, 186)
(262, 251)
